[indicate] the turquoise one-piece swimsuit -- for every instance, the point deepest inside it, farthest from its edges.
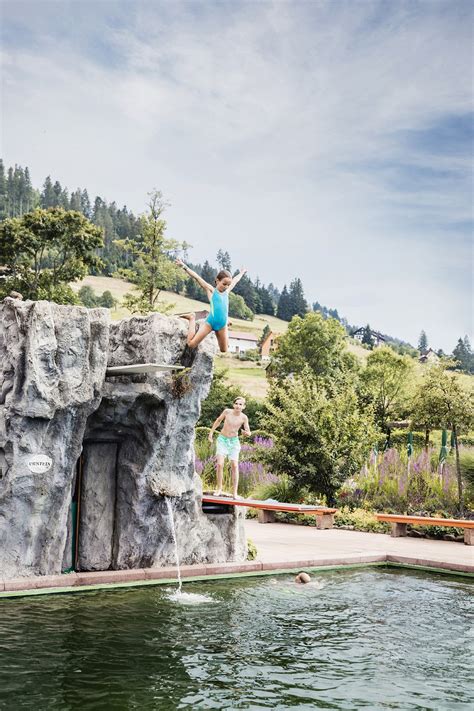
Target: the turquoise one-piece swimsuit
(217, 319)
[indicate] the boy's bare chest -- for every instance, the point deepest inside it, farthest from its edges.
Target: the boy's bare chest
(234, 421)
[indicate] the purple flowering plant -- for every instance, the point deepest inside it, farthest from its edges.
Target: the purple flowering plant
(392, 482)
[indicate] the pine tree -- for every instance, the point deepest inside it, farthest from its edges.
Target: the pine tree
(3, 192)
(247, 291)
(47, 197)
(299, 305)
(223, 260)
(284, 310)
(266, 301)
(367, 337)
(86, 204)
(75, 202)
(463, 355)
(274, 293)
(57, 191)
(29, 197)
(423, 343)
(208, 273)
(10, 193)
(19, 188)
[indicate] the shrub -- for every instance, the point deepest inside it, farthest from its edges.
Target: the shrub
(251, 550)
(238, 308)
(399, 439)
(283, 489)
(360, 519)
(251, 354)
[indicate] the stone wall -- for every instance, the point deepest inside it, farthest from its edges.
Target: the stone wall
(136, 435)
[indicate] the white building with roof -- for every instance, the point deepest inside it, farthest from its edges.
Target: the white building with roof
(240, 341)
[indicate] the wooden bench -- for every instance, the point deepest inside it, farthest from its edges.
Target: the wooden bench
(399, 524)
(267, 509)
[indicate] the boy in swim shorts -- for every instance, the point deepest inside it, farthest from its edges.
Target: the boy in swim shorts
(228, 444)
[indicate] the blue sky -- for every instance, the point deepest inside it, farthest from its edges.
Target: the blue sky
(326, 140)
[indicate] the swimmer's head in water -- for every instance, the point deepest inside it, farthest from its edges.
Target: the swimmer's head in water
(302, 578)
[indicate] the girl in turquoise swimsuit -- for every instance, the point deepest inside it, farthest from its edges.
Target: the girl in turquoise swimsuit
(218, 296)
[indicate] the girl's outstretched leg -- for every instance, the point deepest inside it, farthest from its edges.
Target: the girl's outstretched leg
(223, 339)
(194, 339)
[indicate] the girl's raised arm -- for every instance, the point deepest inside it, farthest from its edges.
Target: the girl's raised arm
(237, 278)
(207, 287)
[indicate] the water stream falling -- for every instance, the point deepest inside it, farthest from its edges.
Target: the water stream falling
(177, 595)
(175, 541)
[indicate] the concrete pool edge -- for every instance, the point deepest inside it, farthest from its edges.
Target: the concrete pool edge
(119, 579)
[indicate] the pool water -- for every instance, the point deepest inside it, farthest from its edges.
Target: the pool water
(369, 638)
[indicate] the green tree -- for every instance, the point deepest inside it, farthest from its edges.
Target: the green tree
(76, 202)
(208, 274)
(320, 438)
(238, 308)
(48, 196)
(367, 338)
(442, 401)
(87, 297)
(463, 356)
(153, 269)
(423, 342)
(386, 383)
(86, 204)
(298, 304)
(284, 310)
(223, 260)
(58, 195)
(3, 192)
(45, 250)
(266, 301)
(107, 301)
(315, 343)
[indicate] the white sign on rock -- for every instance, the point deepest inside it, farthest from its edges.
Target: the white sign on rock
(39, 463)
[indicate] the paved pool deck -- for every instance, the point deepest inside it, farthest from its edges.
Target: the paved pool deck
(281, 543)
(281, 547)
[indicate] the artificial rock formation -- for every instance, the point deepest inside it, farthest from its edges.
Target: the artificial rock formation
(88, 463)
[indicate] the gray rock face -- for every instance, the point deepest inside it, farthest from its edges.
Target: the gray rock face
(86, 463)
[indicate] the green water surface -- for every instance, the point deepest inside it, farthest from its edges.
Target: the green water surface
(361, 639)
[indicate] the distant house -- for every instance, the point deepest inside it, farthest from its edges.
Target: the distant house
(376, 336)
(268, 346)
(429, 356)
(240, 342)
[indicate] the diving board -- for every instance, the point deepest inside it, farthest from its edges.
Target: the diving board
(140, 368)
(267, 509)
